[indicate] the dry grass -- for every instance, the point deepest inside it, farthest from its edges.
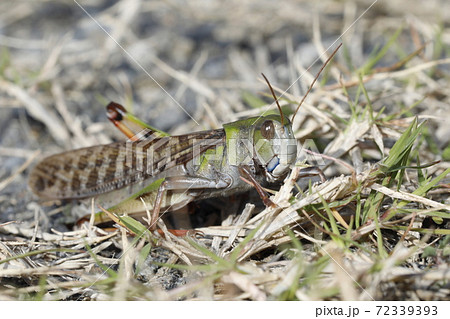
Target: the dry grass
(377, 229)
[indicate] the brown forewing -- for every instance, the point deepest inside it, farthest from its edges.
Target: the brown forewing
(100, 169)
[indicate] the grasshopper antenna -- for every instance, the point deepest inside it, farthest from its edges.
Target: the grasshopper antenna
(276, 99)
(315, 79)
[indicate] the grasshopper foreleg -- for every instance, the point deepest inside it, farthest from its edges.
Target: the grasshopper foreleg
(247, 176)
(186, 183)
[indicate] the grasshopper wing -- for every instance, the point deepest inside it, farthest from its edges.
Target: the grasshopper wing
(101, 169)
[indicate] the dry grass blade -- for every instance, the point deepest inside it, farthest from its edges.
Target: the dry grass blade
(37, 110)
(24, 166)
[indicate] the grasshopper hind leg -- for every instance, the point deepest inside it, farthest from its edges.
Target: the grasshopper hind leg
(182, 183)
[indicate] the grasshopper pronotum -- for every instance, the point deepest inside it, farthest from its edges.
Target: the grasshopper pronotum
(168, 172)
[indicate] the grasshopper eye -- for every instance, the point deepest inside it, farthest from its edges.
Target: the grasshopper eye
(115, 111)
(268, 130)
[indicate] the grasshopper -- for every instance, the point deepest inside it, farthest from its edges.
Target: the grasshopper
(154, 171)
(168, 172)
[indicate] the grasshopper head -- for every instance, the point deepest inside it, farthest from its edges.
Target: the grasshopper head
(275, 146)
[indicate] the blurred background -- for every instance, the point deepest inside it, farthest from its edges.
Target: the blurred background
(189, 65)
